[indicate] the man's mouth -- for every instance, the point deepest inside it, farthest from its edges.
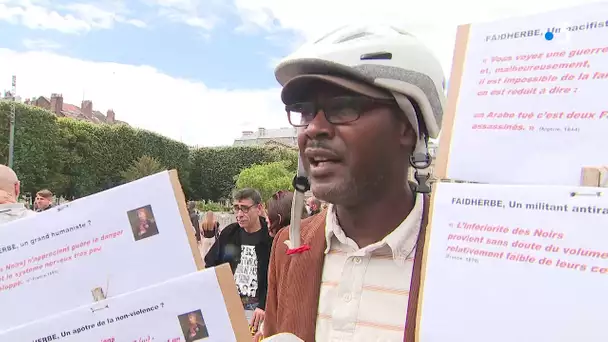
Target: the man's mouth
(321, 161)
(316, 163)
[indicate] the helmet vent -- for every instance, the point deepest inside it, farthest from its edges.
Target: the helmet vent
(376, 56)
(353, 37)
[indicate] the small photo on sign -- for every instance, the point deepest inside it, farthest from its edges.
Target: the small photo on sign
(193, 326)
(143, 223)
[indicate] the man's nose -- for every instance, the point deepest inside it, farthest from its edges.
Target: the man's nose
(319, 126)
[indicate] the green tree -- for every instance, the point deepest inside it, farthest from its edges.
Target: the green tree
(214, 169)
(267, 178)
(142, 167)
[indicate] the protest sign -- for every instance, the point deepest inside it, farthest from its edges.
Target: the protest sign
(201, 306)
(515, 263)
(526, 99)
(109, 243)
(283, 337)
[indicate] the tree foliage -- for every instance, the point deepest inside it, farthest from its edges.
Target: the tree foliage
(214, 169)
(38, 156)
(267, 178)
(76, 158)
(142, 167)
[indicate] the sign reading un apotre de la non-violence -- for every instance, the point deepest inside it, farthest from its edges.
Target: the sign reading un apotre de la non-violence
(200, 306)
(106, 244)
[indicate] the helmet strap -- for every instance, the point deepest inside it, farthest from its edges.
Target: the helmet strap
(421, 160)
(301, 186)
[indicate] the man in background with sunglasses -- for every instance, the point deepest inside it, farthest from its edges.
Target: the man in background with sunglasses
(366, 100)
(246, 245)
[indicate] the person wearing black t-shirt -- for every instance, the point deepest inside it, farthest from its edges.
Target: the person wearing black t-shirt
(246, 246)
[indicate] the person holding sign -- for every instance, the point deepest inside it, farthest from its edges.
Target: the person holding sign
(246, 245)
(366, 100)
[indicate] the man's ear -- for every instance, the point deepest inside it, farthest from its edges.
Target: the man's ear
(17, 189)
(407, 134)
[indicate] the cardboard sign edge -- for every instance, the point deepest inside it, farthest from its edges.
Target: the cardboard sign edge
(239, 323)
(425, 253)
(183, 210)
(458, 62)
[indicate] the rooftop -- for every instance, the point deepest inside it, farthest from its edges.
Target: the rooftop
(269, 133)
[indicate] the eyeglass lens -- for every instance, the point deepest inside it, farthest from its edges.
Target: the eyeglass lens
(338, 110)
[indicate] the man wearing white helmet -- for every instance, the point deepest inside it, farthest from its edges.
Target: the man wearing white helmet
(366, 101)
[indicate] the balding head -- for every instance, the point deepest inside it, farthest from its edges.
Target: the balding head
(9, 183)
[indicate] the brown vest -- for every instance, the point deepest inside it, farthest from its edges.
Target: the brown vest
(294, 282)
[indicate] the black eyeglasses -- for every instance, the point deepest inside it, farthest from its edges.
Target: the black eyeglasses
(338, 110)
(243, 208)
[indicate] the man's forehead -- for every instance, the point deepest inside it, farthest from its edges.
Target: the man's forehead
(247, 201)
(320, 90)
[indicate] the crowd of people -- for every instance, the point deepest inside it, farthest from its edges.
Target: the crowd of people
(365, 100)
(246, 244)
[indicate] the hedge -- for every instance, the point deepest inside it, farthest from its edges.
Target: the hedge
(76, 158)
(214, 169)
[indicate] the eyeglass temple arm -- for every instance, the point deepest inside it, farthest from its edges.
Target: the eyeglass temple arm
(301, 185)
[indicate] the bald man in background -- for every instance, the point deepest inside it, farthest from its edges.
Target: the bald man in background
(10, 209)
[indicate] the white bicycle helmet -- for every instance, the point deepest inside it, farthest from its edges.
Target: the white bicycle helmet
(383, 56)
(387, 58)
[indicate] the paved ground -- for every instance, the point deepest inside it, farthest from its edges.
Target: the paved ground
(225, 219)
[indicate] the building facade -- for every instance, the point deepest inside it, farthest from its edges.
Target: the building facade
(286, 136)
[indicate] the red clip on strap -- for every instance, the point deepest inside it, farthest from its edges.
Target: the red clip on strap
(300, 249)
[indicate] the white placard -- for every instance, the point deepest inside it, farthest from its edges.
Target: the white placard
(515, 263)
(530, 107)
(68, 256)
(189, 308)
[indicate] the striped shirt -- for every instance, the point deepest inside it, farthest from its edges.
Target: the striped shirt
(364, 291)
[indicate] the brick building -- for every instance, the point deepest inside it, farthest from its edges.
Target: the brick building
(85, 112)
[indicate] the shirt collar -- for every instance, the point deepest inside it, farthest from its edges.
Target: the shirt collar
(6, 207)
(401, 241)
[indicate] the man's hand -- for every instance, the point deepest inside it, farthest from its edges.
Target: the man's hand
(257, 319)
(257, 337)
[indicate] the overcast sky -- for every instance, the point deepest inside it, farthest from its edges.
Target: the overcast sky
(200, 71)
